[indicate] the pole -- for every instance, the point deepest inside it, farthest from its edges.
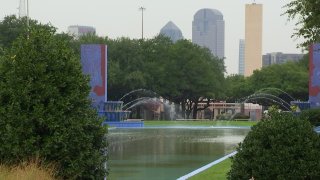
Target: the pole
(28, 14)
(142, 9)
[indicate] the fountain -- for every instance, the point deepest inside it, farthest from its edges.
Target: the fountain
(94, 64)
(167, 108)
(269, 97)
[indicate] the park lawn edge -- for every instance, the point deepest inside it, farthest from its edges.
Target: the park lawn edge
(216, 172)
(199, 123)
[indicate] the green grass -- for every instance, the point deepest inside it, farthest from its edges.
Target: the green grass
(216, 172)
(199, 123)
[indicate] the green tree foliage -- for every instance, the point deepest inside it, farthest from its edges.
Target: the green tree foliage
(12, 27)
(238, 87)
(44, 108)
(308, 25)
(181, 72)
(192, 75)
(312, 115)
(290, 77)
(282, 147)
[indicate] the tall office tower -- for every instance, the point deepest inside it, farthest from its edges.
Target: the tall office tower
(241, 56)
(280, 58)
(253, 38)
(78, 31)
(208, 30)
(172, 31)
(22, 8)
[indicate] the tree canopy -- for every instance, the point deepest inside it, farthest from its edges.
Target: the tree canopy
(44, 108)
(289, 78)
(181, 72)
(308, 25)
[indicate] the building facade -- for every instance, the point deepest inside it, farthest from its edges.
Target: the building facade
(241, 56)
(78, 31)
(253, 38)
(172, 31)
(208, 31)
(279, 58)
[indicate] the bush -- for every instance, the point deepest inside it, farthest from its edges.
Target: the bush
(312, 115)
(283, 147)
(45, 111)
(241, 116)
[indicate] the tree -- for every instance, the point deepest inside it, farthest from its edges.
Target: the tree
(308, 24)
(282, 147)
(44, 108)
(12, 27)
(192, 75)
(290, 77)
(238, 87)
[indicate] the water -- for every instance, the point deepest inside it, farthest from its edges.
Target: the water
(276, 90)
(167, 153)
(138, 90)
(272, 98)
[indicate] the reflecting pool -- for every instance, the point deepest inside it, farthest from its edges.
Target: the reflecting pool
(167, 153)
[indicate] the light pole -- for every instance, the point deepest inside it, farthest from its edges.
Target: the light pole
(28, 14)
(142, 9)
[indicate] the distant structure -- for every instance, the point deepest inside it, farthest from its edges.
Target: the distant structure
(78, 31)
(241, 56)
(253, 38)
(172, 31)
(22, 9)
(279, 58)
(208, 30)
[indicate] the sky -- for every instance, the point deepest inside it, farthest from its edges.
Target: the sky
(122, 18)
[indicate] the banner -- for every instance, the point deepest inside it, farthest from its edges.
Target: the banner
(94, 64)
(314, 76)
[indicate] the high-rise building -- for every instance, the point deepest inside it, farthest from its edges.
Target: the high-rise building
(279, 58)
(78, 31)
(208, 30)
(172, 31)
(241, 56)
(253, 38)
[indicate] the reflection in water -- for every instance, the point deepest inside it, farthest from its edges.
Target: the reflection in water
(167, 153)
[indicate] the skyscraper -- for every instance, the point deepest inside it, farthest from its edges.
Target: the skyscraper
(78, 31)
(280, 58)
(208, 30)
(172, 31)
(253, 38)
(241, 56)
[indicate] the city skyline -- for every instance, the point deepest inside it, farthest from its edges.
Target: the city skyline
(241, 56)
(117, 18)
(172, 31)
(253, 38)
(208, 31)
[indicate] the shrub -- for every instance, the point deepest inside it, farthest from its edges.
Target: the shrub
(241, 116)
(312, 115)
(44, 108)
(282, 147)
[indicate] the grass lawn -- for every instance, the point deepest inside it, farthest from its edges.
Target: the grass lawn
(199, 123)
(216, 172)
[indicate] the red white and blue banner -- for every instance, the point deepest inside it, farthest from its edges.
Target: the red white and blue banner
(314, 76)
(94, 64)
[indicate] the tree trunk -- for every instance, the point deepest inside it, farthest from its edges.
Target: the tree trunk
(183, 109)
(195, 110)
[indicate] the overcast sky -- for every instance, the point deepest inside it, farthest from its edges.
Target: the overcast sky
(117, 18)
